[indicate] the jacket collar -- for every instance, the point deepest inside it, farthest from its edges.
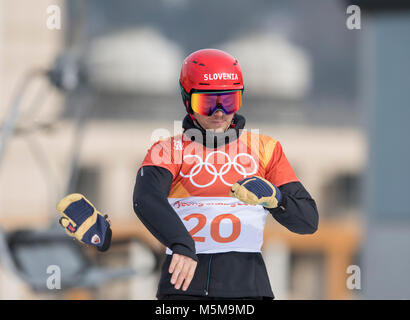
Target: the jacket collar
(209, 138)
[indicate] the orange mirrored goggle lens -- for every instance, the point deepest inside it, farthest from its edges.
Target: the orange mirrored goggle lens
(207, 103)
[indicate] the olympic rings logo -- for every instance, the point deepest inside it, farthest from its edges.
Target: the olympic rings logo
(225, 168)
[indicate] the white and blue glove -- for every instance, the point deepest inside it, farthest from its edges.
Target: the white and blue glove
(256, 190)
(82, 221)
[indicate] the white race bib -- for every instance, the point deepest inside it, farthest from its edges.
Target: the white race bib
(221, 224)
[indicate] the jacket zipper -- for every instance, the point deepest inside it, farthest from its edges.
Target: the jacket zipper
(209, 276)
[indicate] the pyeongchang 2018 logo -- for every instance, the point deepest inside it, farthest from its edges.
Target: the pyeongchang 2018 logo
(220, 76)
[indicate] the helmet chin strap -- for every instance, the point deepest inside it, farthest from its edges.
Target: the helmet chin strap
(196, 122)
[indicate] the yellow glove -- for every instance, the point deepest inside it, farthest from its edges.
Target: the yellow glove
(82, 221)
(256, 190)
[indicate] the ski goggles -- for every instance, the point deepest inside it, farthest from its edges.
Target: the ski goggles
(207, 103)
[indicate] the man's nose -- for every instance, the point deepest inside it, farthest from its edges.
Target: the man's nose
(218, 113)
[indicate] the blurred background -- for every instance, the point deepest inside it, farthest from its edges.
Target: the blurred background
(84, 84)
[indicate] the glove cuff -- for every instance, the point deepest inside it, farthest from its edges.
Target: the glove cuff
(107, 241)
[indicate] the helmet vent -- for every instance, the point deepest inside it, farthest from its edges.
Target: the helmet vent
(236, 83)
(194, 61)
(202, 65)
(203, 84)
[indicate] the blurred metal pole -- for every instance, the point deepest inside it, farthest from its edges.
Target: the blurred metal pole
(385, 53)
(81, 114)
(7, 128)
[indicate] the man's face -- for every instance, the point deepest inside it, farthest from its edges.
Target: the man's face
(218, 122)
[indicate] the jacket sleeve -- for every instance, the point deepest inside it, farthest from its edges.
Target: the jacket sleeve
(151, 205)
(297, 210)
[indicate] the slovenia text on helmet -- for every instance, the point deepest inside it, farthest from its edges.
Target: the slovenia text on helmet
(209, 69)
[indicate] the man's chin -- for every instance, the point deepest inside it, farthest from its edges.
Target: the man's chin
(217, 130)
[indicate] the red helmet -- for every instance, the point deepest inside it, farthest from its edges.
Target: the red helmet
(209, 69)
